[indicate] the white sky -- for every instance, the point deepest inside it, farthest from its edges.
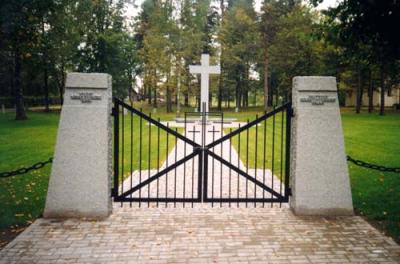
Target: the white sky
(133, 10)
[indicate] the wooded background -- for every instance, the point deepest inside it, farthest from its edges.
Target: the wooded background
(259, 52)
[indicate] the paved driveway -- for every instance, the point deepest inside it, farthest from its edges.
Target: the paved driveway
(202, 235)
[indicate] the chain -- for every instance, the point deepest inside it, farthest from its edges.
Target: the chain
(372, 166)
(20, 171)
(40, 165)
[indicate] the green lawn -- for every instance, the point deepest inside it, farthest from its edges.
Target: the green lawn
(23, 143)
(152, 148)
(375, 139)
(269, 134)
(368, 137)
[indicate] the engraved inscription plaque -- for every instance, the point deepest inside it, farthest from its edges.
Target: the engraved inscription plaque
(317, 99)
(85, 97)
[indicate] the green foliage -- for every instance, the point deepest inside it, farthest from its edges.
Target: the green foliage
(105, 43)
(239, 41)
(42, 40)
(364, 31)
(295, 51)
(51, 38)
(170, 42)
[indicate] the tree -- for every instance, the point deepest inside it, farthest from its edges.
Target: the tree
(295, 50)
(239, 40)
(370, 23)
(105, 44)
(272, 12)
(156, 45)
(19, 22)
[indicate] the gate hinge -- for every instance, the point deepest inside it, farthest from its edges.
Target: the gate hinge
(291, 112)
(113, 111)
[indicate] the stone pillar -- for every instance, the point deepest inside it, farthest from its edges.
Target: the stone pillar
(80, 180)
(319, 175)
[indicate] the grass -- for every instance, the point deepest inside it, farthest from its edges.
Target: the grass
(368, 137)
(23, 143)
(269, 134)
(152, 149)
(376, 195)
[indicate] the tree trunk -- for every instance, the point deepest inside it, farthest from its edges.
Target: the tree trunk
(155, 89)
(147, 88)
(155, 97)
(130, 81)
(238, 90)
(359, 93)
(45, 71)
(178, 89)
(20, 113)
(186, 100)
(382, 108)
(101, 57)
(169, 101)
(187, 92)
(198, 100)
(270, 92)
(148, 95)
(148, 91)
(62, 84)
(220, 86)
(46, 88)
(221, 77)
(209, 100)
(370, 93)
(267, 93)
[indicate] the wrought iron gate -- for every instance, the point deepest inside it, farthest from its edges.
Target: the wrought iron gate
(202, 157)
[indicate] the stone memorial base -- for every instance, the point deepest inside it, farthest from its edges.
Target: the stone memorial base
(319, 174)
(80, 180)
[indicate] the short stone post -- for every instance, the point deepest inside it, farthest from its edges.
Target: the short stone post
(319, 175)
(80, 180)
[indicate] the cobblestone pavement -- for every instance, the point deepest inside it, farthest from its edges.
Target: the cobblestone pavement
(202, 235)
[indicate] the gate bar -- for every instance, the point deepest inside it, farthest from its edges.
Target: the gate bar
(252, 123)
(115, 113)
(159, 174)
(151, 120)
(247, 176)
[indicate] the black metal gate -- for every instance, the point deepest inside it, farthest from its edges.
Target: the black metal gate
(201, 157)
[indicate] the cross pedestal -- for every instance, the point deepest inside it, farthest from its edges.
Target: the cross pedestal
(205, 69)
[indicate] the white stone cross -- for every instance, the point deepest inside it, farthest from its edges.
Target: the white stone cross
(205, 69)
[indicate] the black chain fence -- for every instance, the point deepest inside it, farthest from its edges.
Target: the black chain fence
(41, 164)
(372, 166)
(24, 170)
